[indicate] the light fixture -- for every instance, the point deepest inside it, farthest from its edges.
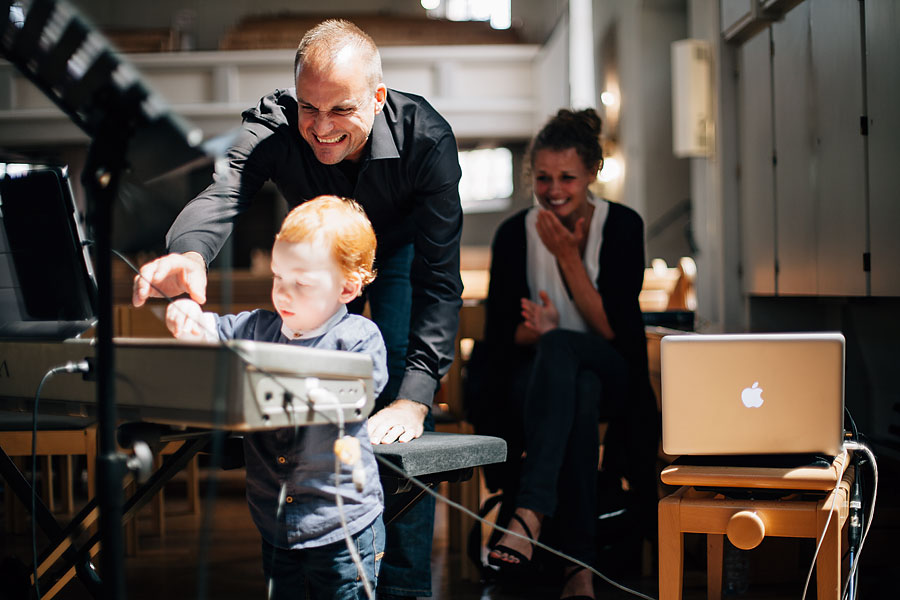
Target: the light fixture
(612, 170)
(430, 4)
(608, 98)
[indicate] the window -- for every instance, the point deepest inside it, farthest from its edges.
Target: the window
(498, 12)
(487, 179)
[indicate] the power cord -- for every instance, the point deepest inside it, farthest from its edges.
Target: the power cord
(70, 367)
(854, 528)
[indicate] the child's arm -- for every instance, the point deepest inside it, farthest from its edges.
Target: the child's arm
(187, 321)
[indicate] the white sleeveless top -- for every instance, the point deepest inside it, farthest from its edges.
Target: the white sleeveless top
(543, 272)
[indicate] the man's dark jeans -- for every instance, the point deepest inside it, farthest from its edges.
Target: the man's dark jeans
(406, 568)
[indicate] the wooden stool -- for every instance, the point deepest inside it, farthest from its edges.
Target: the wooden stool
(747, 522)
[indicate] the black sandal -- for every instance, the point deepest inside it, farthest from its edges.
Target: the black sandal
(570, 575)
(524, 561)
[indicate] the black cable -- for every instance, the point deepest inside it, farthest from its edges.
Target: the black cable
(852, 424)
(856, 514)
(70, 367)
(854, 528)
(232, 349)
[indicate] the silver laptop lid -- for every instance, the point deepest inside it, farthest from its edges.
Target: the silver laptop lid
(752, 393)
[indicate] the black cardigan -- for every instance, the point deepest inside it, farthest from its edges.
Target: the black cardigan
(619, 283)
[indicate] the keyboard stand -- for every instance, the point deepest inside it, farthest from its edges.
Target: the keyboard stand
(432, 458)
(70, 548)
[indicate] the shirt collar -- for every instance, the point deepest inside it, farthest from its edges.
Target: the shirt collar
(312, 333)
(383, 145)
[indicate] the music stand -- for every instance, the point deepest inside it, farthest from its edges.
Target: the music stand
(130, 128)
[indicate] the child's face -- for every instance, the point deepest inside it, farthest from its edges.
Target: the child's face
(307, 285)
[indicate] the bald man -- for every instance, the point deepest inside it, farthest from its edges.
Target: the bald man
(342, 132)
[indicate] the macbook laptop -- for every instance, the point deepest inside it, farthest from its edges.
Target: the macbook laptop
(752, 394)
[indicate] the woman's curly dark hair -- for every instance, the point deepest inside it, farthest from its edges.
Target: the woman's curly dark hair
(570, 129)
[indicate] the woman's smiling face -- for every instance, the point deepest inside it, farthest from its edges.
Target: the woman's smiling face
(560, 181)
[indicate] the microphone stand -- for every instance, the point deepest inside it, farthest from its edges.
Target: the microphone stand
(100, 178)
(61, 53)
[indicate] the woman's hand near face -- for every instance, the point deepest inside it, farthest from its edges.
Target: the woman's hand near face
(567, 246)
(562, 243)
(540, 318)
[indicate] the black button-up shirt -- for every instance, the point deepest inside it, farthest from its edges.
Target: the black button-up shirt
(407, 183)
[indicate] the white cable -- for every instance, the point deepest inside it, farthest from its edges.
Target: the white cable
(834, 495)
(339, 502)
(853, 446)
(536, 543)
(321, 394)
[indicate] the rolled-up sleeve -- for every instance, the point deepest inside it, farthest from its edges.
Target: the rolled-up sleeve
(436, 284)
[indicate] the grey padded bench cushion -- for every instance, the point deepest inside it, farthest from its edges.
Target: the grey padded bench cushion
(437, 452)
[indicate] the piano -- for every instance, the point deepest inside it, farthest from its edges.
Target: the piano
(238, 385)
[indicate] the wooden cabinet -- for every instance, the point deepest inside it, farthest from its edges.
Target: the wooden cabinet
(819, 195)
(883, 95)
(757, 204)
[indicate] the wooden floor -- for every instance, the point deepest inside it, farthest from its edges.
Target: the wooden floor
(222, 560)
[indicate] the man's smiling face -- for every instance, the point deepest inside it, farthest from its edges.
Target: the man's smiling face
(337, 107)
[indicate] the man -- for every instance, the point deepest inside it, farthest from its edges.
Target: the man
(342, 132)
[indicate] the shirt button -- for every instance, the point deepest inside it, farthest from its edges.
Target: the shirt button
(289, 499)
(281, 460)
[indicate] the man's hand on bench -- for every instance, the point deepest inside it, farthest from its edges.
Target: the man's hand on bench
(401, 421)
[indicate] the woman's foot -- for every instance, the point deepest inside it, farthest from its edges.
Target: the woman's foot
(513, 550)
(578, 582)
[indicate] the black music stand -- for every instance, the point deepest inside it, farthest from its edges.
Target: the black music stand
(130, 128)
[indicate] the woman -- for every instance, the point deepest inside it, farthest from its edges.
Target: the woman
(563, 304)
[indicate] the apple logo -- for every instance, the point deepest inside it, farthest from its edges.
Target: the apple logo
(752, 396)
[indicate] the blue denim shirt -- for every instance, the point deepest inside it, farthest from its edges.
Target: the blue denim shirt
(291, 483)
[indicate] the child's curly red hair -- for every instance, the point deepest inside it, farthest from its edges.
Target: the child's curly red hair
(340, 222)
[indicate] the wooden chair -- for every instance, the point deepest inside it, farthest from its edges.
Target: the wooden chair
(450, 400)
(64, 437)
(149, 322)
(693, 508)
(669, 288)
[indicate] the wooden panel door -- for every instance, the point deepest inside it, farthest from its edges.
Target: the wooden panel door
(795, 147)
(883, 86)
(757, 203)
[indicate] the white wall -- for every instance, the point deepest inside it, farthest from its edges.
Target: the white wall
(551, 79)
(211, 18)
(655, 181)
(714, 198)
